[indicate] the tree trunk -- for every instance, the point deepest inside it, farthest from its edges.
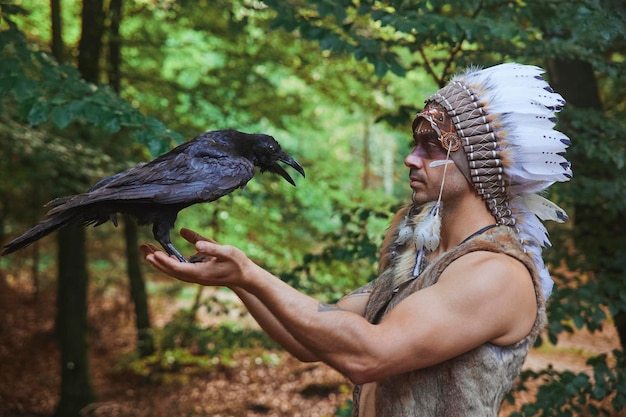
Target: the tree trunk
(90, 45)
(145, 337)
(576, 81)
(115, 45)
(76, 391)
(58, 50)
(71, 324)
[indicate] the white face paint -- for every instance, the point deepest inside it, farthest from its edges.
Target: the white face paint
(440, 162)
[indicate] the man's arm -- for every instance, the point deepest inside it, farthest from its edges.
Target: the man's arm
(354, 301)
(481, 297)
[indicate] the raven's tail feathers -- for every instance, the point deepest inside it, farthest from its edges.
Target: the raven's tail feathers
(42, 229)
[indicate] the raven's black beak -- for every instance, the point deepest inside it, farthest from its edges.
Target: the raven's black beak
(292, 163)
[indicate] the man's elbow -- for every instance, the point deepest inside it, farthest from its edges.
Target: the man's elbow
(361, 373)
(357, 371)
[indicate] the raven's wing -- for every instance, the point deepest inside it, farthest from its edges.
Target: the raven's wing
(181, 178)
(103, 182)
(62, 200)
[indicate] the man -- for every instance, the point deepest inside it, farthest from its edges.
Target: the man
(445, 328)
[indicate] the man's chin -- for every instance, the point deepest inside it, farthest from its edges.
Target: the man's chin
(419, 199)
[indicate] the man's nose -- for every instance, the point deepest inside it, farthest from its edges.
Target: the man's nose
(415, 158)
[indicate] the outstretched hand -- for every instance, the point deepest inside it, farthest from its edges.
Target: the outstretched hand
(220, 265)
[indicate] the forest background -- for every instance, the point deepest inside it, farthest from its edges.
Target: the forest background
(90, 88)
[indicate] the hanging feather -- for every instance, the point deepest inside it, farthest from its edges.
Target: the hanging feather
(407, 225)
(427, 232)
(426, 235)
(405, 231)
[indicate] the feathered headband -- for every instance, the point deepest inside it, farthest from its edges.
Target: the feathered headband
(498, 124)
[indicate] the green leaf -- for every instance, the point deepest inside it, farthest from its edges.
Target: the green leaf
(38, 114)
(579, 322)
(61, 116)
(154, 124)
(112, 126)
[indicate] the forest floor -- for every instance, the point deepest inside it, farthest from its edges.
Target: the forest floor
(254, 383)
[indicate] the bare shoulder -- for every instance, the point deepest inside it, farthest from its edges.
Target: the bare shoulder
(482, 297)
(496, 285)
(490, 269)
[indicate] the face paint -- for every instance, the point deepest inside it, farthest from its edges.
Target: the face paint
(440, 162)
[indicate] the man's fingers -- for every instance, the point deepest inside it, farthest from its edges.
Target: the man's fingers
(221, 253)
(168, 264)
(220, 263)
(196, 273)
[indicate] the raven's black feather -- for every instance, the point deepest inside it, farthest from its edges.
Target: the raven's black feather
(204, 169)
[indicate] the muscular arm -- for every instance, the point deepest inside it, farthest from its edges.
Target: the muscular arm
(354, 301)
(480, 297)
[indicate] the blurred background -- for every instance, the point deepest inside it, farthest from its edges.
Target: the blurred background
(89, 88)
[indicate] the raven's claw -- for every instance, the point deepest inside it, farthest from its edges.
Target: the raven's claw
(195, 259)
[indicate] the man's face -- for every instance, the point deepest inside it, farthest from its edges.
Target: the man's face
(427, 163)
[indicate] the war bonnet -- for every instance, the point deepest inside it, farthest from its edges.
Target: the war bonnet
(498, 124)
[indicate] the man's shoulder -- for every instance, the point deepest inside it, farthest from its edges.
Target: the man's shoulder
(496, 252)
(491, 271)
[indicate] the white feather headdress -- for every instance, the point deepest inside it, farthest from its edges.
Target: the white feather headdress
(504, 117)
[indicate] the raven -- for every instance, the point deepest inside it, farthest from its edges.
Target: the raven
(204, 169)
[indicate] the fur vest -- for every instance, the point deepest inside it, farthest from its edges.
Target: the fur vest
(472, 384)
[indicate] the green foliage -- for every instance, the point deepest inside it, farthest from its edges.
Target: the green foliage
(395, 36)
(442, 37)
(224, 67)
(44, 90)
(187, 348)
(348, 258)
(345, 410)
(598, 286)
(211, 74)
(164, 367)
(566, 393)
(225, 339)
